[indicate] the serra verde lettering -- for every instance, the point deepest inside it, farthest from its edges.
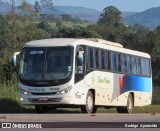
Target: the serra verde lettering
(103, 80)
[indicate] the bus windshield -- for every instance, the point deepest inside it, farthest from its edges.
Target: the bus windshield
(40, 65)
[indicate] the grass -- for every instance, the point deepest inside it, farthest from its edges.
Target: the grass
(9, 101)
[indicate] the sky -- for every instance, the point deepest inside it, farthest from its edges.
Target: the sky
(122, 5)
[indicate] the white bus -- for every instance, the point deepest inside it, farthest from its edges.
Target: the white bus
(83, 73)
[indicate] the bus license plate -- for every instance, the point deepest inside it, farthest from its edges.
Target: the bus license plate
(43, 99)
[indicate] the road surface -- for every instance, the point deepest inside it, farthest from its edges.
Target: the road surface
(99, 120)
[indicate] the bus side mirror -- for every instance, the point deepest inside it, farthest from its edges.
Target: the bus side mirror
(80, 61)
(14, 59)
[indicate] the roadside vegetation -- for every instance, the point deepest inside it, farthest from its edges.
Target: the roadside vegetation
(16, 29)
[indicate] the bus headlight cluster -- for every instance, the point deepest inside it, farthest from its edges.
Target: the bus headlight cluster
(64, 91)
(24, 92)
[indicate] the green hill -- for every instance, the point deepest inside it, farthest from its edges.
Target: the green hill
(149, 18)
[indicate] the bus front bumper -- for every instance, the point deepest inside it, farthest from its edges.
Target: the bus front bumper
(33, 100)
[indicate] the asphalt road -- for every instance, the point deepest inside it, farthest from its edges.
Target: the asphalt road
(83, 121)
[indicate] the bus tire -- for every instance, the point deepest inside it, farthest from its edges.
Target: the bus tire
(39, 109)
(90, 105)
(129, 108)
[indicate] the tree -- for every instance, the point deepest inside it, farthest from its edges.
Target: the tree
(51, 18)
(26, 9)
(77, 19)
(13, 2)
(44, 26)
(47, 5)
(5, 35)
(21, 26)
(37, 7)
(139, 29)
(41, 34)
(110, 16)
(78, 33)
(12, 17)
(153, 40)
(66, 17)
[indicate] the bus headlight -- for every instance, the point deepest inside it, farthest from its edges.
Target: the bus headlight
(24, 92)
(64, 91)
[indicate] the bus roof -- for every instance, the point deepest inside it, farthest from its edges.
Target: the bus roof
(67, 41)
(51, 42)
(105, 42)
(99, 43)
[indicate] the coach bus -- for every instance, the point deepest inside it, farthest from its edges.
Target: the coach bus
(83, 73)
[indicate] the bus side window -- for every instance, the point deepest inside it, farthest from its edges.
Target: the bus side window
(139, 72)
(134, 65)
(97, 65)
(107, 60)
(90, 58)
(128, 63)
(124, 63)
(148, 71)
(145, 67)
(102, 59)
(114, 61)
(95, 58)
(119, 62)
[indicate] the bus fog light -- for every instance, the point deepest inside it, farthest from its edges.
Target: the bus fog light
(21, 99)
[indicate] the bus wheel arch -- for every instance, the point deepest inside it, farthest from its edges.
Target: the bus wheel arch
(130, 105)
(89, 107)
(132, 93)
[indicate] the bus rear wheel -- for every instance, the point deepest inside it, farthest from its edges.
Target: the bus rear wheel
(90, 106)
(129, 108)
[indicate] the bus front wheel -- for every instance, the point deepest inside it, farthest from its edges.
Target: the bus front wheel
(39, 109)
(43, 109)
(129, 107)
(90, 106)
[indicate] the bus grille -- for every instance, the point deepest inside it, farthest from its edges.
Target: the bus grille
(47, 93)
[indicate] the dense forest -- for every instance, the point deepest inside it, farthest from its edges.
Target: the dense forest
(16, 29)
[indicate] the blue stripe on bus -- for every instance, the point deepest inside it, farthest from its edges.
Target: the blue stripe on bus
(136, 83)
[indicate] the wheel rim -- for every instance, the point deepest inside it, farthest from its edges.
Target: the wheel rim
(130, 105)
(89, 102)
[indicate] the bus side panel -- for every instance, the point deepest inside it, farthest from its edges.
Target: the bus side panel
(80, 91)
(112, 89)
(142, 98)
(141, 88)
(101, 83)
(107, 88)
